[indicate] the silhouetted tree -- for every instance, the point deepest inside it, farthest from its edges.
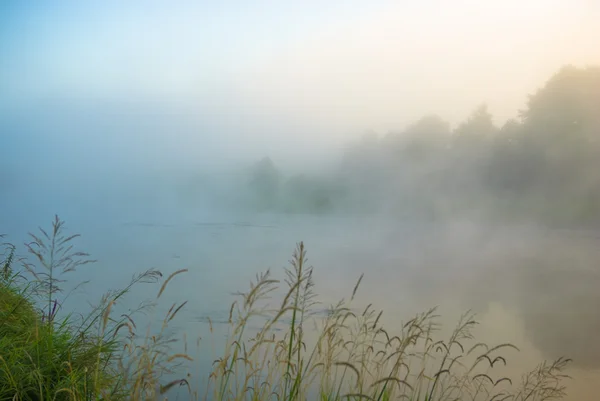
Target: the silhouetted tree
(543, 165)
(265, 183)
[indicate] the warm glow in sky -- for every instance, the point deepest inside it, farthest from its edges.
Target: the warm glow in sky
(343, 64)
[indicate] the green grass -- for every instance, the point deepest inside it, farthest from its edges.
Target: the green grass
(295, 354)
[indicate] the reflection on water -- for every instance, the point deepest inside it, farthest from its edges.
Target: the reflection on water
(535, 288)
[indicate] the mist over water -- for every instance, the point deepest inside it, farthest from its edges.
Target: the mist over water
(530, 285)
(136, 210)
(219, 154)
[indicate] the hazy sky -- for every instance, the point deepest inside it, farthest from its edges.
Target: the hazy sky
(349, 64)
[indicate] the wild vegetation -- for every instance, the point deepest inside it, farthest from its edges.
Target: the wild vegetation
(297, 353)
(540, 166)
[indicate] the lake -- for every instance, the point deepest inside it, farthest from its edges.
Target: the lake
(535, 288)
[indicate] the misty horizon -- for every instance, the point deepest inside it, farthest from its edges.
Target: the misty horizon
(450, 151)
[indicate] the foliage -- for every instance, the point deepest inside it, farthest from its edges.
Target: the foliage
(542, 166)
(303, 194)
(265, 184)
(271, 191)
(46, 355)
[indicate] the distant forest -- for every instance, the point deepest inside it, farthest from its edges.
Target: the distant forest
(543, 165)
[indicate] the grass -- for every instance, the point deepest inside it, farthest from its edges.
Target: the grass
(296, 353)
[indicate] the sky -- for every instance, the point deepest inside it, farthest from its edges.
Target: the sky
(334, 66)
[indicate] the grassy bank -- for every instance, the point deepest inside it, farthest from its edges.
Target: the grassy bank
(47, 353)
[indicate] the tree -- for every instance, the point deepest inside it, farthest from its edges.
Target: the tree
(553, 156)
(426, 137)
(479, 126)
(307, 195)
(563, 118)
(568, 103)
(265, 183)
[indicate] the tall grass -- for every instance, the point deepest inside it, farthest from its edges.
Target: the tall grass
(351, 355)
(297, 353)
(49, 355)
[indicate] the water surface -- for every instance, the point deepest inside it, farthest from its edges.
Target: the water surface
(533, 287)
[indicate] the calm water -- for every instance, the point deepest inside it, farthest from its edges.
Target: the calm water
(535, 288)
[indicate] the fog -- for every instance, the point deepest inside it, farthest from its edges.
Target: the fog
(448, 150)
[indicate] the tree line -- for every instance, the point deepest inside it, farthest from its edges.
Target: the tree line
(543, 165)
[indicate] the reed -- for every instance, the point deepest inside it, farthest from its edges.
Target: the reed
(297, 353)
